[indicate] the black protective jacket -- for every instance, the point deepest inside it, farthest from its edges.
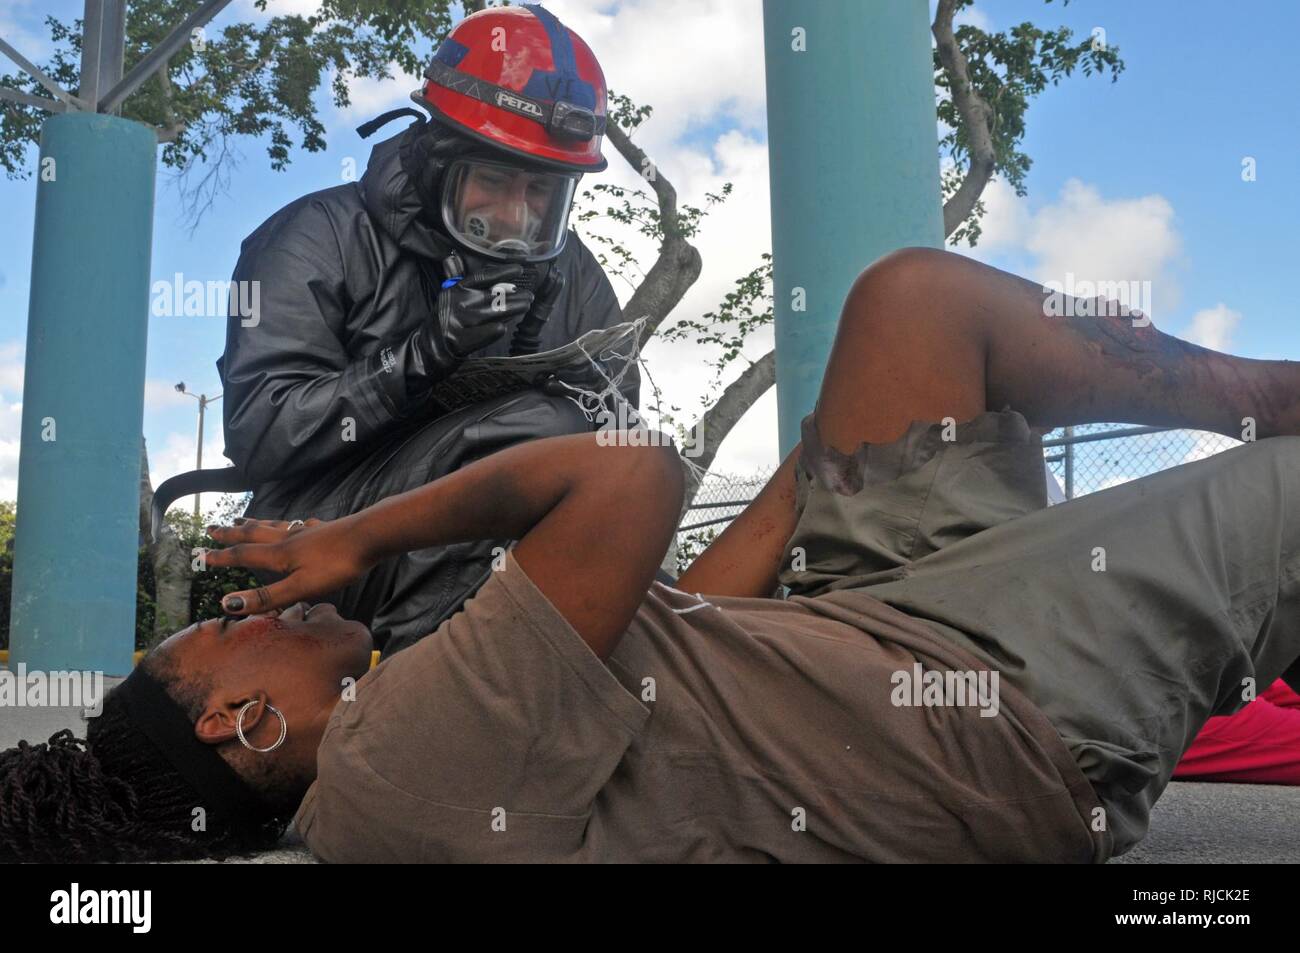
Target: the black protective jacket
(345, 278)
(326, 405)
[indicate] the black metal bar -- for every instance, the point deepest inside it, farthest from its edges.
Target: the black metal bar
(159, 55)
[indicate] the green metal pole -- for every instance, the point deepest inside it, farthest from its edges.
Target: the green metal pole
(77, 536)
(854, 166)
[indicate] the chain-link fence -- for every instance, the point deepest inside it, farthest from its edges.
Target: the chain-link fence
(1083, 460)
(1094, 457)
(720, 499)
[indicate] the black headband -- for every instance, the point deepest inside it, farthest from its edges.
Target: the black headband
(166, 724)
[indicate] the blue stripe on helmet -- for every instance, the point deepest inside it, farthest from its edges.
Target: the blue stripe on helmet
(563, 84)
(451, 52)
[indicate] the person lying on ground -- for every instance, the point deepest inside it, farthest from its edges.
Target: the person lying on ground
(958, 673)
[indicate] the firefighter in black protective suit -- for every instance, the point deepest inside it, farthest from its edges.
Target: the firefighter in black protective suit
(372, 292)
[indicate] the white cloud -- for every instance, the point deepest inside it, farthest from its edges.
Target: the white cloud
(368, 96)
(1213, 327)
(695, 61)
(23, 27)
(11, 368)
(160, 395)
(245, 10)
(732, 239)
(752, 444)
(1100, 239)
(973, 16)
(11, 425)
(646, 52)
(176, 454)
(1006, 221)
(1086, 235)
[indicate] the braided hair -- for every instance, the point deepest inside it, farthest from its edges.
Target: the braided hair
(112, 796)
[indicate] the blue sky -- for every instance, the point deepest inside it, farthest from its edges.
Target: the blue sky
(1146, 171)
(1206, 84)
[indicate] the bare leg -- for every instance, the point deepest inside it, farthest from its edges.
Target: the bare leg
(926, 334)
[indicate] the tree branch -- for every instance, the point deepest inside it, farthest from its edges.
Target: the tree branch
(174, 127)
(977, 117)
(173, 580)
(679, 263)
(717, 422)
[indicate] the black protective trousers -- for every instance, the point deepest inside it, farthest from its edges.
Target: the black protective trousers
(405, 598)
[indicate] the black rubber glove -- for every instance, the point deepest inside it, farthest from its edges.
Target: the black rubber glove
(471, 313)
(527, 339)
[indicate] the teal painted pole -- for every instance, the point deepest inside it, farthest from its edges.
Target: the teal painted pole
(77, 533)
(854, 167)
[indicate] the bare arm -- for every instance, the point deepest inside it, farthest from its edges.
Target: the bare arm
(745, 558)
(593, 523)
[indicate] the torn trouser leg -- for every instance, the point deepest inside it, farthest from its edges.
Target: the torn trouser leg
(1129, 616)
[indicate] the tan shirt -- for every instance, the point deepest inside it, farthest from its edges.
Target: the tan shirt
(725, 730)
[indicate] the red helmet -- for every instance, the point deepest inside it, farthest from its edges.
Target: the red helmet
(518, 79)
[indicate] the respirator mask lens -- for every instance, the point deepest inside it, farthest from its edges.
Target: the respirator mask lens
(505, 212)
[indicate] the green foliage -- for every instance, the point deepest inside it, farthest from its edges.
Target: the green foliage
(20, 126)
(741, 312)
(208, 587)
(634, 209)
(240, 80)
(1008, 70)
(691, 544)
(7, 520)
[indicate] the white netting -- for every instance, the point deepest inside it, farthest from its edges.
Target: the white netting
(607, 405)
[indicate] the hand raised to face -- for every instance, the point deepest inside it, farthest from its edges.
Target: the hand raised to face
(314, 557)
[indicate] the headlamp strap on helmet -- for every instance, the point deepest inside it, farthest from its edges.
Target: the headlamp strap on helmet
(560, 118)
(367, 129)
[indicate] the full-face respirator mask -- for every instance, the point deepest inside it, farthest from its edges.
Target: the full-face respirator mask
(497, 212)
(504, 212)
(492, 211)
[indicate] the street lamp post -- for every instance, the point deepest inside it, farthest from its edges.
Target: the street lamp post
(203, 400)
